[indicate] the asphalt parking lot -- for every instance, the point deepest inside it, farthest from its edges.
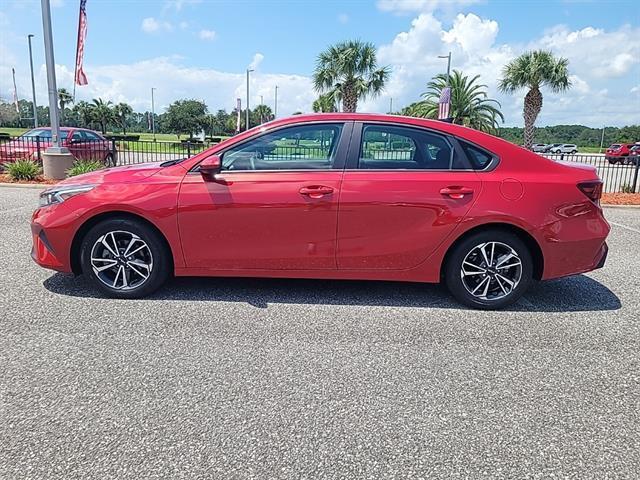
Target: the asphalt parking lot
(232, 378)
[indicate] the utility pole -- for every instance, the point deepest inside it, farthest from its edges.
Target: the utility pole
(51, 79)
(390, 105)
(153, 115)
(247, 106)
(33, 85)
(448, 57)
(601, 140)
(275, 109)
(261, 103)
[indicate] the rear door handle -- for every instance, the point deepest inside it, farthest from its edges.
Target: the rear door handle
(316, 191)
(456, 192)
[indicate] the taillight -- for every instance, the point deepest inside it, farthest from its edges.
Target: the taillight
(593, 190)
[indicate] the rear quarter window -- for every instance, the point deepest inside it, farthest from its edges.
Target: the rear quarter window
(479, 158)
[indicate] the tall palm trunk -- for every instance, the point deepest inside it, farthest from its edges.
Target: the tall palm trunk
(349, 99)
(532, 107)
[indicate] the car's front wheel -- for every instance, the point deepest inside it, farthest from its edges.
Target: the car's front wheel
(125, 258)
(489, 270)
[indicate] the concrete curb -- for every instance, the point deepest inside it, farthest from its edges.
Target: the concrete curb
(41, 186)
(621, 206)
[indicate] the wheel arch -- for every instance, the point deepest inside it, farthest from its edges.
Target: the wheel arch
(531, 243)
(76, 244)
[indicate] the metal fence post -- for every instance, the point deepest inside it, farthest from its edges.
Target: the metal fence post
(38, 149)
(188, 149)
(635, 175)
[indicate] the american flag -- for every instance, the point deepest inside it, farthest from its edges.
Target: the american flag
(444, 104)
(81, 78)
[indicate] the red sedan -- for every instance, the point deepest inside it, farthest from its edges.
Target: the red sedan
(341, 196)
(82, 143)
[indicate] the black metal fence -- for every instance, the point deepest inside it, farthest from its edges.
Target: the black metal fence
(617, 175)
(108, 152)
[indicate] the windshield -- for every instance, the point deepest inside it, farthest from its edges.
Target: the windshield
(615, 145)
(44, 134)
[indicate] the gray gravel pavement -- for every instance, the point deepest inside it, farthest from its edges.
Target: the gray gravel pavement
(231, 378)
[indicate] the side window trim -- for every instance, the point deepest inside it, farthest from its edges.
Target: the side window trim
(340, 150)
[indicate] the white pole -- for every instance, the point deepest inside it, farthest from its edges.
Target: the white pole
(153, 115)
(51, 79)
(33, 86)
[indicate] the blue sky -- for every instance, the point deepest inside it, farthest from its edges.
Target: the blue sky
(200, 49)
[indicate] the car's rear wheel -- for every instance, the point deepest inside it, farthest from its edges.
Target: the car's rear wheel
(125, 258)
(490, 269)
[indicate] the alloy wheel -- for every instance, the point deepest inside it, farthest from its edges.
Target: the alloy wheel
(491, 271)
(121, 260)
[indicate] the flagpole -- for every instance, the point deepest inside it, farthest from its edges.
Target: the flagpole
(75, 70)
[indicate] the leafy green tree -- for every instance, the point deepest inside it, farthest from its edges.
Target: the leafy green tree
(533, 70)
(324, 104)
(470, 104)
(121, 112)
(262, 113)
(102, 113)
(348, 71)
(84, 111)
(186, 117)
(64, 99)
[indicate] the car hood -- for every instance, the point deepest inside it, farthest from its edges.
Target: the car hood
(124, 174)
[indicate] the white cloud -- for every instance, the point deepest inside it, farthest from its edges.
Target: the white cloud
(635, 89)
(578, 84)
(595, 52)
(206, 34)
(343, 18)
(177, 5)
(57, 3)
(257, 60)
(183, 25)
(472, 33)
(153, 25)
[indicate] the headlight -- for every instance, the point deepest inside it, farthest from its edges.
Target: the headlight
(62, 193)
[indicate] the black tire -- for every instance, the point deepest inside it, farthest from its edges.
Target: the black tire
(453, 269)
(159, 255)
(109, 161)
(573, 152)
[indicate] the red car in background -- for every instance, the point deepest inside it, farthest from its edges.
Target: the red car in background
(84, 144)
(333, 196)
(618, 152)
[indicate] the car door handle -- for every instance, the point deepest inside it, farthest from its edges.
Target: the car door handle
(456, 192)
(316, 191)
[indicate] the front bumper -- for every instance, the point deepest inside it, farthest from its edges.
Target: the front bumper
(43, 252)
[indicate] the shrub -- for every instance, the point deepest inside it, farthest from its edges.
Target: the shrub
(626, 188)
(84, 166)
(22, 170)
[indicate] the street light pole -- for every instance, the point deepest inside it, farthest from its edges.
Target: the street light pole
(247, 105)
(261, 103)
(153, 115)
(51, 79)
(33, 85)
(448, 57)
(275, 109)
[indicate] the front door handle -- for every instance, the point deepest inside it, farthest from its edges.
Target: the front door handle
(316, 191)
(456, 192)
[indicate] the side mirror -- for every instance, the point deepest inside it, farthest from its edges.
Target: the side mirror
(210, 167)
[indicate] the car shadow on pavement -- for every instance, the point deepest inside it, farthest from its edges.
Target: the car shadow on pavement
(571, 294)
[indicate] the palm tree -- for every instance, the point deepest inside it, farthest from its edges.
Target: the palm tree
(470, 104)
(325, 104)
(349, 71)
(262, 113)
(102, 113)
(121, 111)
(533, 70)
(84, 110)
(64, 98)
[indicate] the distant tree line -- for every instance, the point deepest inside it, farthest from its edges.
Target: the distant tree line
(183, 117)
(577, 134)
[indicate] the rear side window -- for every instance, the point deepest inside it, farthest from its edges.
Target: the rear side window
(479, 158)
(390, 147)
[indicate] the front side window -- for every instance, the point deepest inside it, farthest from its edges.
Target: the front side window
(398, 148)
(302, 147)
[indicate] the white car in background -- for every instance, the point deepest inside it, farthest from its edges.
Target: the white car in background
(563, 148)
